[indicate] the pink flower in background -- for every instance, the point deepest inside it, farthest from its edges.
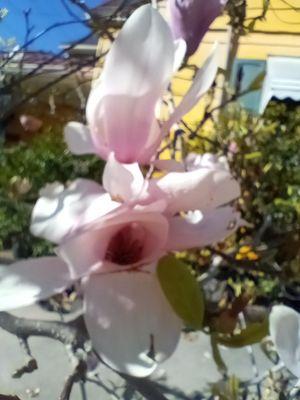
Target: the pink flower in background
(190, 20)
(121, 106)
(111, 238)
(30, 123)
(233, 147)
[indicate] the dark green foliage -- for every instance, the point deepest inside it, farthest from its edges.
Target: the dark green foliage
(24, 169)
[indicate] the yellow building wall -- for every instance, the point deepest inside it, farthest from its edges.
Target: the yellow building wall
(278, 34)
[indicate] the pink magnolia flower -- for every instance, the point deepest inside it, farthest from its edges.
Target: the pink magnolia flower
(121, 107)
(190, 20)
(110, 239)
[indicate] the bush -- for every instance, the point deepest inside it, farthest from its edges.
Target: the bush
(263, 153)
(25, 169)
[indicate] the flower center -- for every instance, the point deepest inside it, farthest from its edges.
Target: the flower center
(127, 245)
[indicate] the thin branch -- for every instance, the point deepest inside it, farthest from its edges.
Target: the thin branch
(30, 362)
(25, 328)
(47, 86)
(244, 264)
(210, 113)
(38, 36)
(28, 29)
(76, 375)
(80, 4)
(33, 72)
(73, 335)
(69, 10)
(147, 388)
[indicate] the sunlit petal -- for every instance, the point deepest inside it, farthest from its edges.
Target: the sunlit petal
(25, 282)
(131, 324)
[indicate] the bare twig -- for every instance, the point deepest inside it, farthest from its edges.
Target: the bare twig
(28, 30)
(245, 265)
(48, 86)
(31, 363)
(24, 328)
(69, 10)
(73, 335)
(38, 36)
(209, 114)
(147, 388)
(40, 66)
(76, 375)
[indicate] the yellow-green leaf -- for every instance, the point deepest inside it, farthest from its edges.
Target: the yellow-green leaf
(182, 290)
(251, 156)
(253, 333)
(222, 368)
(257, 82)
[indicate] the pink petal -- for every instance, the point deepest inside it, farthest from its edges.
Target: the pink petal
(120, 110)
(86, 253)
(25, 282)
(78, 139)
(152, 144)
(60, 212)
(204, 189)
(130, 322)
(201, 84)
(122, 181)
(190, 19)
(213, 227)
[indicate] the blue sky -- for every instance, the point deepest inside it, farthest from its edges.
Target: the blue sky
(44, 13)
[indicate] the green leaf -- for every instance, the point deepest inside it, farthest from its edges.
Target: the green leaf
(251, 156)
(222, 368)
(252, 334)
(233, 387)
(257, 82)
(182, 290)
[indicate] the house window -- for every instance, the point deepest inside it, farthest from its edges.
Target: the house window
(282, 80)
(243, 74)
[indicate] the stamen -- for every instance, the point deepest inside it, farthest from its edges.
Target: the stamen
(127, 245)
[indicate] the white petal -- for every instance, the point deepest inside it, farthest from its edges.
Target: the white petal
(180, 50)
(122, 181)
(196, 231)
(25, 282)
(200, 85)
(285, 334)
(78, 138)
(59, 213)
(128, 318)
(120, 109)
(203, 189)
(207, 160)
(169, 165)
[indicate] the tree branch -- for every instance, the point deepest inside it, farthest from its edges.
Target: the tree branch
(76, 375)
(31, 363)
(24, 328)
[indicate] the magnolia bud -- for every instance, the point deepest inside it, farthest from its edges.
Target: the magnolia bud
(190, 19)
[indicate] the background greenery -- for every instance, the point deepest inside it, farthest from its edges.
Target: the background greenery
(25, 169)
